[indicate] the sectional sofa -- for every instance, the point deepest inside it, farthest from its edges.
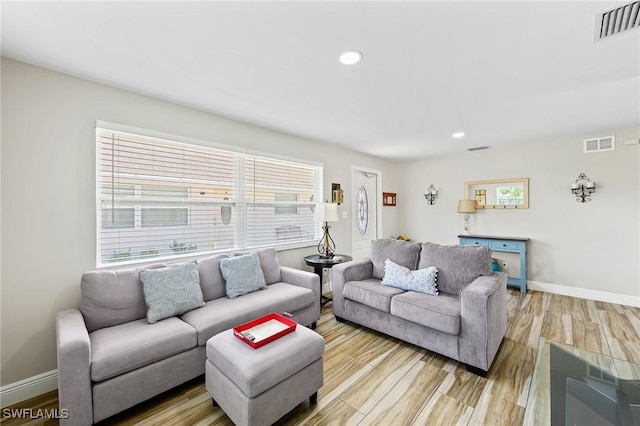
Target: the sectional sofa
(466, 320)
(110, 357)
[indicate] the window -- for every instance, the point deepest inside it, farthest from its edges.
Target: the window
(120, 217)
(161, 198)
(510, 194)
(286, 209)
(164, 191)
(163, 216)
(362, 210)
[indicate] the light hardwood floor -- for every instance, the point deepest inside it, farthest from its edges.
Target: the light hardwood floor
(371, 378)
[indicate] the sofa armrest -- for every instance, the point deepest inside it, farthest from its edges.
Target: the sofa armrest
(74, 368)
(483, 305)
(302, 279)
(355, 270)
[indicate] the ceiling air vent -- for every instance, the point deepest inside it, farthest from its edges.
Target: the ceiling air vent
(477, 148)
(606, 143)
(618, 20)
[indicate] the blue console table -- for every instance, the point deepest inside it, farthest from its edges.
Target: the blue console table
(505, 244)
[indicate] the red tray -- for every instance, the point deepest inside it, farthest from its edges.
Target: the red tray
(267, 329)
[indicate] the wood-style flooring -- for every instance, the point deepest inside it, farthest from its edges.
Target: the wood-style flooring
(370, 378)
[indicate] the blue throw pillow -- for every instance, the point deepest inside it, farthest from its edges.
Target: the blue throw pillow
(242, 274)
(171, 291)
(421, 280)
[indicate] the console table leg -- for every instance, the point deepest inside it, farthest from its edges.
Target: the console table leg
(523, 272)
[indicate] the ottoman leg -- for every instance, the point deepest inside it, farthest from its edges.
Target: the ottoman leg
(313, 398)
(213, 401)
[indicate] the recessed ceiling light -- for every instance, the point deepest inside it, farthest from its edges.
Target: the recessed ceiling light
(458, 135)
(351, 57)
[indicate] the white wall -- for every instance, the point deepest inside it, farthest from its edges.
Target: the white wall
(594, 246)
(48, 193)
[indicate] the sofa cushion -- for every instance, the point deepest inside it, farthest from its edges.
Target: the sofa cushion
(370, 292)
(211, 279)
(221, 314)
(171, 291)
(457, 265)
(242, 274)
(401, 252)
(112, 297)
(421, 280)
(441, 313)
(270, 265)
(127, 347)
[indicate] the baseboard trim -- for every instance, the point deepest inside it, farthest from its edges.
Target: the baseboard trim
(31, 387)
(583, 293)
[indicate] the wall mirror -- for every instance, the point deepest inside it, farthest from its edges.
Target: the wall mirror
(499, 193)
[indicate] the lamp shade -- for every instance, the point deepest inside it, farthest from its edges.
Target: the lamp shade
(330, 212)
(466, 206)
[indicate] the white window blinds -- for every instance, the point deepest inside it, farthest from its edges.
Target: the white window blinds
(158, 198)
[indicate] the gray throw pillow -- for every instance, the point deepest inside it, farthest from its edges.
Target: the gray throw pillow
(403, 253)
(457, 265)
(171, 291)
(421, 280)
(242, 274)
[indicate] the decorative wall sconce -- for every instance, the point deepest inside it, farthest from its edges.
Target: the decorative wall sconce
(431, 194)
(582, 188)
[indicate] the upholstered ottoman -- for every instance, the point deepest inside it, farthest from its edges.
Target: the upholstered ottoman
(258, 386)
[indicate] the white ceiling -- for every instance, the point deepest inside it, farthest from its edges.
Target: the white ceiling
(502, 72)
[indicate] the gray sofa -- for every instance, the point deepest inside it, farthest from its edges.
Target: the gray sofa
(466, 321)
(110, 358)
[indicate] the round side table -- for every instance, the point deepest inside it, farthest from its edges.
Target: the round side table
(319, 263)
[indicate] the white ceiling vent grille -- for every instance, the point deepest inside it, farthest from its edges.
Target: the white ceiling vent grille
(607, 143)
(618, 20)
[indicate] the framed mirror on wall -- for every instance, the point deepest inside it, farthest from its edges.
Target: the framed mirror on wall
(499, 193)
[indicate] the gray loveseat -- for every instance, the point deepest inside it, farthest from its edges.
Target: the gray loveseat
(110, 358)
(466, 321)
